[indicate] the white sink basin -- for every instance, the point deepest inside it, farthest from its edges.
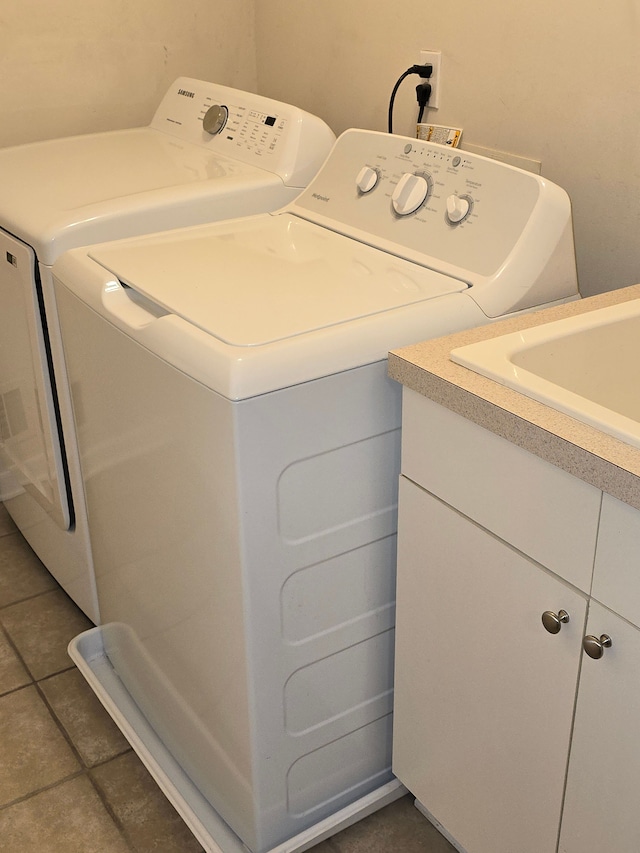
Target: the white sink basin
(587, 366)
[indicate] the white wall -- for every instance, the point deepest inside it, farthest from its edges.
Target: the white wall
(76, 66)
(558, 82)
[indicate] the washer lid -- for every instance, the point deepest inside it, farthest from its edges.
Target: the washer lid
(263, 279)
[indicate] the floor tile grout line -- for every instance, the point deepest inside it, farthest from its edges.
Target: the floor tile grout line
(17, 690)
(30, 597)
(108, 807)
(58, 722)
(9, 533)
(86, 773)
(16, 651)
(75, 775)
(83, 770)
(15, 648)
(61, 726)
(82, 765)
(12, 527)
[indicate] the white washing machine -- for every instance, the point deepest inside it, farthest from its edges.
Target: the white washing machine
(209, 153)
(239, 442)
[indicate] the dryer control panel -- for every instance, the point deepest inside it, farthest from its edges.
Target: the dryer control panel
(259, 131)
(448, 209)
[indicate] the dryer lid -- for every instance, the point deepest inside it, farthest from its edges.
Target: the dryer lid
(63, 193)
(264, 279)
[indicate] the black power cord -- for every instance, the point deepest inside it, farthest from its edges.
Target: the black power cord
(424, 71)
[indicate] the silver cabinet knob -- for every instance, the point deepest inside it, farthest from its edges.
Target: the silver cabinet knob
(554, 621)
(595, 646)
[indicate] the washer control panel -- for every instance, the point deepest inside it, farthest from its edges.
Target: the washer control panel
(259, 131)
(422, 200)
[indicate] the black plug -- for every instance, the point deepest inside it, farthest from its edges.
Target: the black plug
(425, 71)
(423, 93)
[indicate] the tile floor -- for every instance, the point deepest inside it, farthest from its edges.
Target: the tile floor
(69, 783)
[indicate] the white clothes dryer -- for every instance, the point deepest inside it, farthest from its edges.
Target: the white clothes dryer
(240, 442)
(209, 153)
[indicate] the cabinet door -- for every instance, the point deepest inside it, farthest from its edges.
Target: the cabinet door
(601, 807)
(484, 696)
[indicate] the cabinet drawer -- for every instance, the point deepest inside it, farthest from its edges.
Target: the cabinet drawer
(616, 578)
(541, 510)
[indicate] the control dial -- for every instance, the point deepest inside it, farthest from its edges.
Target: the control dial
(458, 208)
(367, 179)
(215, 119)
(411, 191)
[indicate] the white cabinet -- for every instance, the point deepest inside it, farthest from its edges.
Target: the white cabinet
(494, 716)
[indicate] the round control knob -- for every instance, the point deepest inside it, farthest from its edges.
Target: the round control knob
(215, 119)
(458, 208)
(410, 192)
(367, 179)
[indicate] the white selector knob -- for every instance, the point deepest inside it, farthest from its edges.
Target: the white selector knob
(411, 190)
(457, 208)
(367, 179)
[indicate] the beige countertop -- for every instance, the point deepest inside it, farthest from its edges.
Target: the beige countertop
(587, 453)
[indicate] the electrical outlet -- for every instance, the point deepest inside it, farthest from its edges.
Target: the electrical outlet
(433, 58)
